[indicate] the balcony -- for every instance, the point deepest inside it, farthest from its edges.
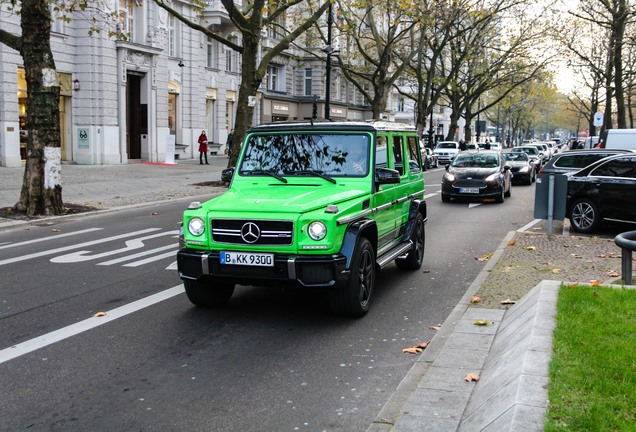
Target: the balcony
(215, 14)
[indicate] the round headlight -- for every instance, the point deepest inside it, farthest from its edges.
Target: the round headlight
(196, 226)
(317, 230)
(492, 178)
(449, 177)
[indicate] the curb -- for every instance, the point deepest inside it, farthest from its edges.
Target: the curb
(392, 410)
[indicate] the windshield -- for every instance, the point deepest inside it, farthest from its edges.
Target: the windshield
(517, 156)
(526, 150)
(289, 154)
(446, 145)
(477, 160)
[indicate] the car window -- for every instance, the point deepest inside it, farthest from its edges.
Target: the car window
(380, 152)
(516, 156)
(398, 155)
(476, 160)
(414, 154)
(621, 167)
(446, 145)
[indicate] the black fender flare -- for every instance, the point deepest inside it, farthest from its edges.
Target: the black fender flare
(363, 228)
(417, 206)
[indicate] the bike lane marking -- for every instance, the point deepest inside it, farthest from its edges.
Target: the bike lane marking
(87, 324)
(79, 245)
(39, 240)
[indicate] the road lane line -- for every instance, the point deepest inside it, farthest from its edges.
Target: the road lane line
(529, 225)
(87, 324)
(152, 259)
(174, 247)
(77, 246)
(431, 195)
(40, 240)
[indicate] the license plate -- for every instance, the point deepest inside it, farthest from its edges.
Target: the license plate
(248, 258)
(469, 190)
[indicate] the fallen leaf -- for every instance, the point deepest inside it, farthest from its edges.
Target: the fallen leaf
(475, 299)
(416, 349)
(426, 271)
(530, 248)
(485, 257)
(512, 242)
(595, 282)
(556, 271)
(481, 323)
(601, 256)
(612, 274)
(595, 294)
(576, 256)
(56, 230)
(507, 302)
(100, 314)
(571, 286)
(537, 229)
(435, 327)
(472, 376)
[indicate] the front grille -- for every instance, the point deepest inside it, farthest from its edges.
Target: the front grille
(252, 232)
(466, 183)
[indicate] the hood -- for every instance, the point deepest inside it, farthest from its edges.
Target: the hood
(516, 164)
(283, 198)
(476, 173)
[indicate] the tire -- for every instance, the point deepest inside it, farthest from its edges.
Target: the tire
(208, 292)
(415, 257)
(500, 198)
(509, 191)
(446, 197)
(584, 216)
(436, 163)
(530, 179)
(353, 300)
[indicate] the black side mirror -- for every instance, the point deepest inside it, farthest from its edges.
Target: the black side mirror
(386, 176)
(227, 174)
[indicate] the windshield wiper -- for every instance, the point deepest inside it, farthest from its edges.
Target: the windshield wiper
(269, 173)
(313, 173)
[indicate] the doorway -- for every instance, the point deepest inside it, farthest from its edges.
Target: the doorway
(134, 116)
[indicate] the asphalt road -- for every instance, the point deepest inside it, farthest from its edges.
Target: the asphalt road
(273, 360)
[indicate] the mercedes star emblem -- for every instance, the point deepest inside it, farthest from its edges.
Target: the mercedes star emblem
(250, 232)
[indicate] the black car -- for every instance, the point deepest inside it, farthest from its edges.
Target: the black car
(522, 168)
(482, 174)
(576, 160)
(533, 153)
(430, 158)
(603, 191)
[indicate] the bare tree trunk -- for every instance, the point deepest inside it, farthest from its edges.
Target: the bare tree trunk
(618, 33)
(41, 188)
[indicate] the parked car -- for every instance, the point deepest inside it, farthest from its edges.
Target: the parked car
(576, 160)
(315, 205)
(489, 146)
(482, 174)
(533, 153)
(544, 151)
(446, 151)
(522, 168)
(472, 146)
(430, 158)
(603, 191)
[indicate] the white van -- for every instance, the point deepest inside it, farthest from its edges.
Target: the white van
(619, 138)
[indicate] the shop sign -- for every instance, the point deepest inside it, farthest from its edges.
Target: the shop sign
(82, 138)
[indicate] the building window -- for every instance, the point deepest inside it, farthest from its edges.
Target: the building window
(126, 20)
(338, 88)
(275, 29)
(308, 73)
(276, 78)
(174, 43)
(57, 14)
(231, 56)
(213, 53)
(400, 105)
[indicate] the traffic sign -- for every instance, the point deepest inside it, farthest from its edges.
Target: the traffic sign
(598, 118)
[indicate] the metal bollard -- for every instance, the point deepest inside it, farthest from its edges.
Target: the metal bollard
(627, 242)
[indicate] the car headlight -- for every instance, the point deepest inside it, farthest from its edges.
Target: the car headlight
(524, 169)
(196, 226)
(317, 230)
(492, 178)
(449, 177)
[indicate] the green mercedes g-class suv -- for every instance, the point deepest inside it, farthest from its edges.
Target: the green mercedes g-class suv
(321, 205)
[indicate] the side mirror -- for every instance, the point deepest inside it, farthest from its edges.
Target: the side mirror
(227, 174)
(386, 176)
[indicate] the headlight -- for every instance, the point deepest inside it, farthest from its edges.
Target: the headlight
(449, 177)
(196, 226)
(524, 169)
(317, 230)
(492, 178)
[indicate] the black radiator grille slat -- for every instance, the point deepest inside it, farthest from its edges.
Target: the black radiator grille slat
(252, 231)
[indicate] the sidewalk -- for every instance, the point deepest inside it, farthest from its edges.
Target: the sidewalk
(111, 186)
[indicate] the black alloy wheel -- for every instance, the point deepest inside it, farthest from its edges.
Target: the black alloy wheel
(415, 257)
(585, 217)
(208, 292)
(354, 299)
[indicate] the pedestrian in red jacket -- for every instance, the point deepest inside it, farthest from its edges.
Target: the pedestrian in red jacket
(203, 148)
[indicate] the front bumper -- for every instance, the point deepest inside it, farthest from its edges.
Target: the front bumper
(308, 271)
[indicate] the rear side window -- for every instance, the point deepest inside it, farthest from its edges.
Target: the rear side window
(414, 154)
(380, 152)
(398, 155)
(622, 167)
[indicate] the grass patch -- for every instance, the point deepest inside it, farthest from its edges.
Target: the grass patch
(592, 383)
